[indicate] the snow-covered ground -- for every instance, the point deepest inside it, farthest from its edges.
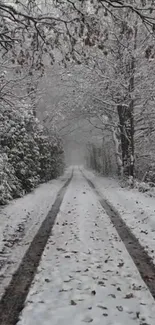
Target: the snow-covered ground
(135, 208)
(20, 221)
(85, 274)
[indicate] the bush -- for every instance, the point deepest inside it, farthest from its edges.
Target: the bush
(28, 155)
(10, 186)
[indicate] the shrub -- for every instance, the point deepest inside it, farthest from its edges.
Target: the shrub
(28, 154)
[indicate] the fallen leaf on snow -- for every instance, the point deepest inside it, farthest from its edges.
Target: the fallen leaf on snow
(101, 283)
(61, 249)
(144, 232)
(118, 289)
(73, 303)
(129, 296)
(112, 295)
(102, 307)
(134, 287)
(120, 308)
(69, 280)
(120, 264)
(63, 290)
(137, 314)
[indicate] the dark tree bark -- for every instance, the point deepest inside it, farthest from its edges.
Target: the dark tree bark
(126, 125)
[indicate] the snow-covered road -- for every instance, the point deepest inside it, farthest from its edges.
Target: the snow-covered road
(135, 208)
(20, 221)
(86, 274)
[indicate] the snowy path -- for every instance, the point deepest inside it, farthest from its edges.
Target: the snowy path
(20, 221)
(85, 274)
(135, 208)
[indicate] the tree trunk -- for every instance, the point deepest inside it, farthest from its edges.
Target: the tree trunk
(126, 126)
(117, 152)
(131, 111)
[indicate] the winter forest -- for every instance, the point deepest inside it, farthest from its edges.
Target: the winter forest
(77, 86)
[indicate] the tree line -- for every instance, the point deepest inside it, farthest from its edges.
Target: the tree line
(114, 41)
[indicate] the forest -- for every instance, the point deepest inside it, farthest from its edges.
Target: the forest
(76, 74)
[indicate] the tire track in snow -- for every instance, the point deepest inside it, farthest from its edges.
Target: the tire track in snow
(12, 301)
(140, 257)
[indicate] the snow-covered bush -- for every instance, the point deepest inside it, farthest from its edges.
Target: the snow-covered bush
(28, 155)
(10, 185)
(150, 175)
(143, 187)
